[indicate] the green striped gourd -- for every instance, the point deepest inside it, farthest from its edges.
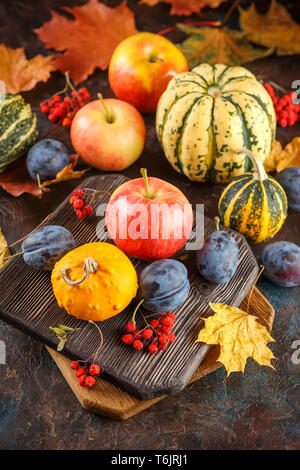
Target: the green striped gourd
(206, 114)
(254, 204)
(17, 128)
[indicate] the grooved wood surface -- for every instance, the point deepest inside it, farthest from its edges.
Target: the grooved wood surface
(34, 309)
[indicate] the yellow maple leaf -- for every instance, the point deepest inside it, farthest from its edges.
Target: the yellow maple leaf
(239, 336)
(276, 28)
(4, 250)
(281, 158)
(21, 74)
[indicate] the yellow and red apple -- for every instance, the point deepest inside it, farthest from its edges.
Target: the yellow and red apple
(149, 218)
(142, 66)
(108, 134)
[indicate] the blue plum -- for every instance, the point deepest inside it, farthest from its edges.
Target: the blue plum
(46, 158)
(217, 260)
(46, 245)
(281, 261)
(164, 285)
(289, 179)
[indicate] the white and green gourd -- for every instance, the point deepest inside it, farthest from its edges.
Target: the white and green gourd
(206, 114)
(18, 129)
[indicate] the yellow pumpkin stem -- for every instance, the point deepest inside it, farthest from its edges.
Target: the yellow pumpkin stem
(259, 168)
(90, 266)
(217, 222)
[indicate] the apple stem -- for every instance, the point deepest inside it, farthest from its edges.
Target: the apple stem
(107, 113)
(217, 222)
(144, 175)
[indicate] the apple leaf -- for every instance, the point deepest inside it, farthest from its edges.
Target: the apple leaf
(239, 336)
(276, 28)
(20, 74)
(88, 40)
(218, 45)
(185, 7)
(280, 158)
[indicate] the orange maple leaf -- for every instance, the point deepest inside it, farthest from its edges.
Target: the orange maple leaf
(20, 74)
(88, 40)
(186, 7)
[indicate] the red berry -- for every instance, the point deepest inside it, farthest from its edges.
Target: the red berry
(147, 333)
(88, 210)
(154, 323)
(130, 327)
(127, 339)
(74, 365)
(171, 315)
(66, 122)
(79, 372)
(171, 337)
(78, 192)
(78, 204)
(166, 329)
(83, 90)
(155, 340)
(163, 346)
(81, 214)
(94, 369)
(152, 348)
(137, 344)
(82, 380)
(138, 334)
(90, 381)
(56, 99)
(86, 96)
(167, 321)
(52, 118)
(163, 339)
(73, 199)
(74, 94)
(283, 122)
(45, 109)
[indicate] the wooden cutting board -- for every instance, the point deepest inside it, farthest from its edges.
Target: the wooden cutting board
(108, 400)
(27, 302)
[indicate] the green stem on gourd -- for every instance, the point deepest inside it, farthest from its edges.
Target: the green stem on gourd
(135, 310)
(260, 172)
(217, 222)
(144, 175)
(107, 113)
(13, 256)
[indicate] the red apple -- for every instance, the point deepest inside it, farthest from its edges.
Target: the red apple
(142, 66)
(108, 134)
(149, 218)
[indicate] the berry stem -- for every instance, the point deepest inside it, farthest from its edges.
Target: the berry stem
(136, 309)
(23, 238)
(107, 113)
(144, 175)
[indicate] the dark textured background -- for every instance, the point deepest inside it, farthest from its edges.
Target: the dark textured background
(259, 410)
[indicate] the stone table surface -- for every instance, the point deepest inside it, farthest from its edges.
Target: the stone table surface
(259, 410)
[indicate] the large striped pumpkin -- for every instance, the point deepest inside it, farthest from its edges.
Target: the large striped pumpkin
(206, 114)
(17, 128)
(254, 204)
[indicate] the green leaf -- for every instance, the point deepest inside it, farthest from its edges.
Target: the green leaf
(215, 45)
(57, 331)
(61, 345)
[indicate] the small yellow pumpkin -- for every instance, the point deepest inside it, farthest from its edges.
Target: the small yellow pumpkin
(95, 281)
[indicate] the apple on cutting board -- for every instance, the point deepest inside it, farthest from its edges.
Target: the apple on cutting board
(108, 134)
(149, 218)
(142, 66)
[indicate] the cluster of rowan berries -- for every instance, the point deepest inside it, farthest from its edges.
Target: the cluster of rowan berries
(82, 372)
(63, 109)
(287, 112)
(81, 209)
(158, 331)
